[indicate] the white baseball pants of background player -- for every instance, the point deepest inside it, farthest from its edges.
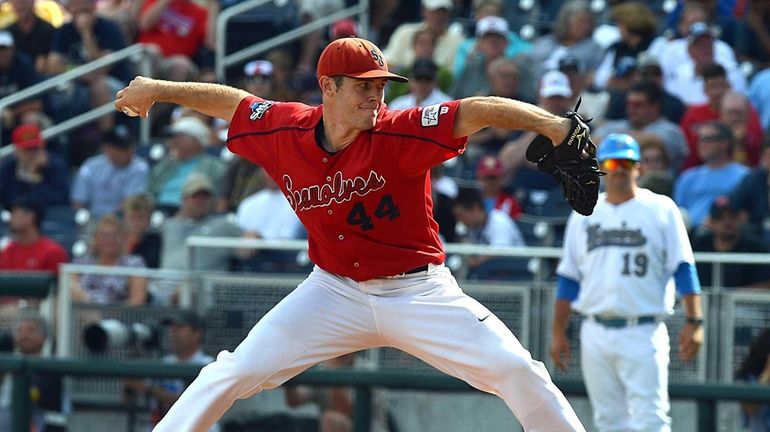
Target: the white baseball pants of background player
(424, 314)
(626, 375)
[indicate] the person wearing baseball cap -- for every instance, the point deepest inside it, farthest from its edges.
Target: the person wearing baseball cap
(32, 170)
(357, 175)
(436, 18)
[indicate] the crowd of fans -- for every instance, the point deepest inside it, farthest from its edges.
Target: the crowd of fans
(694, 91)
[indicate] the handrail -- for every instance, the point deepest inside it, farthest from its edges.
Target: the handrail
(223, 60)
(706, 394)
(136, 51)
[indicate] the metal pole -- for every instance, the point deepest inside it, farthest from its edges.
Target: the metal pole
(21, 408)
(707, 419)
(362, 414)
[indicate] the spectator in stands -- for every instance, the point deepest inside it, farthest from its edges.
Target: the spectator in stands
(654, 172)
(491, 43)
(50, 11)
(637, 26)
(644, 114)
(141, 238)
(33, 35)
(124, 13)
(423, 85)
(743, 118)
(188, 137)
(86, 38)
(758, 49)
(759, 93)
(242, 179)
(196, 219)
(29, 249)
(494, 228)
(105, 181)
(186, 335)
(482, 9)
(309, 11)
(595, 101)
(755, 369)
(436, 14)
(725, 233)
(752, 195)
(554, 96)
(268, 215)
(424, 45)
(16, 73)
(697, 187)
(258, 78)
(108, 248)
(736, 111)
(179, 30)
(571, 35)
(49, 409)
(32, 170)
(336, 403)
(683, 63)
(491, 175)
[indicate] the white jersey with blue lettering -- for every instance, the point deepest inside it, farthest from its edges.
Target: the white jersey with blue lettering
(624, 256)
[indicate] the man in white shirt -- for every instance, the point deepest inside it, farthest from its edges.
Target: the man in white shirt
(423, 87)
(683, 59)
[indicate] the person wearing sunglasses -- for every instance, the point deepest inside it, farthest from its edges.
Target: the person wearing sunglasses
(618, 270)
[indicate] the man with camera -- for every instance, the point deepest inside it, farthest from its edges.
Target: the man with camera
(186, 331)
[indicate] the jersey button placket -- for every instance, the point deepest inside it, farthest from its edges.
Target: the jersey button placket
(356, 265)
(329, 212)
(324, 160)
(341, 237)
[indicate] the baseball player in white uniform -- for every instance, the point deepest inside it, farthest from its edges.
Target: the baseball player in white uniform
(616, 270)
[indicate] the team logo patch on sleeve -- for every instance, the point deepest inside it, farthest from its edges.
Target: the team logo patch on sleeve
(431, 113)
(258, 109)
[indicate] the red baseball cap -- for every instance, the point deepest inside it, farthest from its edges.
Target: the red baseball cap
(27, 136)
(354, 58)
(489, 166)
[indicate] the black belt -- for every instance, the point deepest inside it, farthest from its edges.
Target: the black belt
(417, 270)
(624, 322)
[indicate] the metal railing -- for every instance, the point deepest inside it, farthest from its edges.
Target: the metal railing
(706, 395)
(224, 60)
(136, 52)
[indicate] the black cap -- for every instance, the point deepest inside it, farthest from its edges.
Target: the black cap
(424, 68)
(570, 63)
(185, 317)
(720, 205)
(118, 136)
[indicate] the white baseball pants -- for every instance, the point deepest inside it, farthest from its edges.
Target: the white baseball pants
(424, 314)
(626, 375)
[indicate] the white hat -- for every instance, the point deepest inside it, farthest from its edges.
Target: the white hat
(197, 182)
(191, 126)
(492, 24)
(555, 83)
(6, 39)
(437, 4)
(258, 67)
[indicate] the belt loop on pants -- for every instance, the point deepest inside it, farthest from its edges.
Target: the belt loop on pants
(408, 272)
(623, 322)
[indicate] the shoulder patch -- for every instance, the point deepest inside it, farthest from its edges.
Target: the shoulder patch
(431, 113)
(258, 109)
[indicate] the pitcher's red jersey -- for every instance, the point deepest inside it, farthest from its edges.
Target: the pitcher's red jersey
(367, 208)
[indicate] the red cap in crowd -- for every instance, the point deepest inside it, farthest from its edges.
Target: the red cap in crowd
(27, 136)
(489, 166)
(355, 58)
